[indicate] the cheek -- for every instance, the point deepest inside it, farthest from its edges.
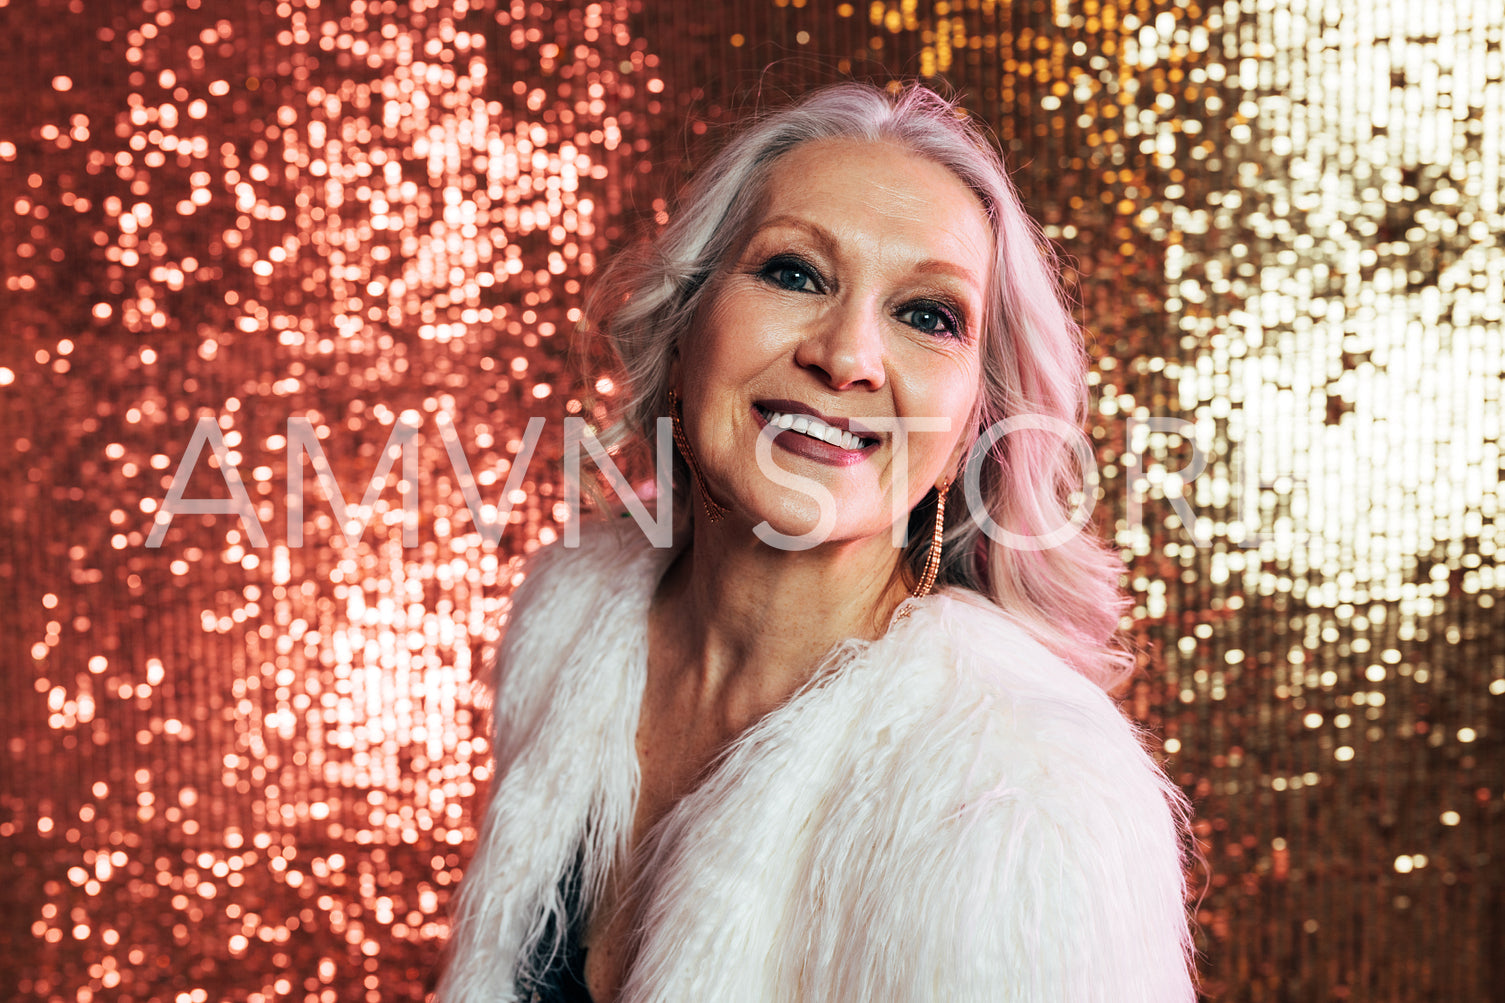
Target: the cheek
(729, 338)
(945, 388)
(929, 458)
(952, 395)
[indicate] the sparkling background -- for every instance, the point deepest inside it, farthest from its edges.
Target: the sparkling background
(238, 768)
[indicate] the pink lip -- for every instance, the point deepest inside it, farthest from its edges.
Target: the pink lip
(812, 449)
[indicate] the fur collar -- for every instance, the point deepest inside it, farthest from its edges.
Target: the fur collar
(945, 813)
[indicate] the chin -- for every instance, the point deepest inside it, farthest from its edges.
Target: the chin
(797, 519)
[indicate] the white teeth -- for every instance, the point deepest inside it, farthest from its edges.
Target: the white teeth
(816, 429)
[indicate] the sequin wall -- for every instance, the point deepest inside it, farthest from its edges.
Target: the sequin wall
(242, 763)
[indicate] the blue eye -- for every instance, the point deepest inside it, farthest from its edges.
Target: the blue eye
(791, 274)
(931, 318)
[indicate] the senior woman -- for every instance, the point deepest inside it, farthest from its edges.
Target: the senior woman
(786, 759)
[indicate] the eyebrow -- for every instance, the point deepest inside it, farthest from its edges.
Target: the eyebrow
(820, 233)
(828, 241)
(949, 268)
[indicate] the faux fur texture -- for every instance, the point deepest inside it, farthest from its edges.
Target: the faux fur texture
(943, 815)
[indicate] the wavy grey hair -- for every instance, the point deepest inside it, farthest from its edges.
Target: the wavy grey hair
(1033, 360)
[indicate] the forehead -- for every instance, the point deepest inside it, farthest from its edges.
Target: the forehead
(861, 187)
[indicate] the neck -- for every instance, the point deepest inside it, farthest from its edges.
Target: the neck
(749, 617)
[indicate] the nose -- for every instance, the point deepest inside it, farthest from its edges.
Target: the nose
(845, 349)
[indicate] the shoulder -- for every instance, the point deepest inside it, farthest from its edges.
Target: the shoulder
(1059, 850)
(1029, 703)
(577, 601)
(566, 578)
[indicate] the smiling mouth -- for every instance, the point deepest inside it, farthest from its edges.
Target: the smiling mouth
(814, 428)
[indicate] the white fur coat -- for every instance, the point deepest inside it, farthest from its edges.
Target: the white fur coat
(943, 815)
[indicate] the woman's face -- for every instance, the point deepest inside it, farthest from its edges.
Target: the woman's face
(857, 294)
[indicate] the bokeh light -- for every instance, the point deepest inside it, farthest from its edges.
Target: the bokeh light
(244, 764)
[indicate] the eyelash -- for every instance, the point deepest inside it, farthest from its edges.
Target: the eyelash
(951, 324)
(789, 263)
(950, 321)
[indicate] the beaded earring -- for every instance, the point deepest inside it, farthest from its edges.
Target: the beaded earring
(714, 511)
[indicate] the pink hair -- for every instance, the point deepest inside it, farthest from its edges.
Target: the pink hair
(1034, 362)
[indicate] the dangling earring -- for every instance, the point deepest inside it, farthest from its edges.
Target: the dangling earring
(933, 562)
(713, 510)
